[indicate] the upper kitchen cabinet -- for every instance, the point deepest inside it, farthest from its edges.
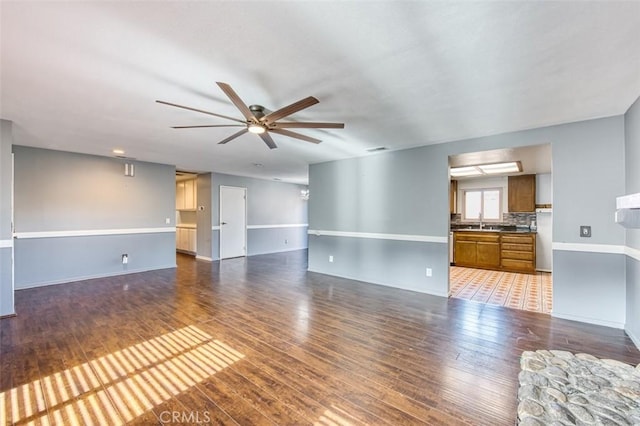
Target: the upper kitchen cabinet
(453, 196)
(522, 194)
(186, 195)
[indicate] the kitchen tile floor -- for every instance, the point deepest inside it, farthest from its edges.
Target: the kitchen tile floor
(529, 292)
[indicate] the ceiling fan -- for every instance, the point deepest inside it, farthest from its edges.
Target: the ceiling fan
(261, 122)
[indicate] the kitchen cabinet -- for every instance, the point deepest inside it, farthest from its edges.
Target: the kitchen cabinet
(186, 239)
(186, 195)
(500, 251)
(518, 252)
(465, 252)
(477, 249)
(522, 194)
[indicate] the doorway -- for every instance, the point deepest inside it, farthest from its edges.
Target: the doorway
(233, 222)
(500, 251)
(186, 213)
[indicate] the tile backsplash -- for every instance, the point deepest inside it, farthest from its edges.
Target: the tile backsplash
(508, 219)
(518, 219)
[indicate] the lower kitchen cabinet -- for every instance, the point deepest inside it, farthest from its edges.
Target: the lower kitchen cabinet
(500, 251)
(465, 252)
(477, 249)
(488, 254)
(186, 239)
(519, 252)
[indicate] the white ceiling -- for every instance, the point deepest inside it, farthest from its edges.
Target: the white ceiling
(83, 76)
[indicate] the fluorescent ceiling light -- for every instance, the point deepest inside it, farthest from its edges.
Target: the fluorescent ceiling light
(487, 169)
(465, 171)
(510, 167)
(118, 151)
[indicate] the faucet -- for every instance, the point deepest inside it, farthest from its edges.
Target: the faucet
(480, 216)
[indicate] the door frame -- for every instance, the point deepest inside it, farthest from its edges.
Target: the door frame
(244, 189)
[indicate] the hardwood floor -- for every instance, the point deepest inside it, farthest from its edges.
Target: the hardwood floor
(531, 292)
(261, 341)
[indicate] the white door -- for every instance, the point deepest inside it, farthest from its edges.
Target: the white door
(233, 222)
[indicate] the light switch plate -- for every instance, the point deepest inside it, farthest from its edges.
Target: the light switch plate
(585, 231)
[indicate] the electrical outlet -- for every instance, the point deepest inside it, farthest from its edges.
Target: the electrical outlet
(585, 231)
(125, 259)
(330, 258)
(429, 272)
(167, 220)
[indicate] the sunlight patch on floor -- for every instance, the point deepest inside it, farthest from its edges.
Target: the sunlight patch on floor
(334, 417)
(134, 379)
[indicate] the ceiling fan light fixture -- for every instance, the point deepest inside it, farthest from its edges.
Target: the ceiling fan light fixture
(257, 129)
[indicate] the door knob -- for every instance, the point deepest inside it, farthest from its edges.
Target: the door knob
(224, 223)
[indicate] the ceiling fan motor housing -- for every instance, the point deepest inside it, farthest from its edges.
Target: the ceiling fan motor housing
(257, 110)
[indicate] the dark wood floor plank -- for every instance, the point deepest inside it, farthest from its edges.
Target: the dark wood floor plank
(260, 340)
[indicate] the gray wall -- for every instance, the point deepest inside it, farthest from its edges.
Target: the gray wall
(632, 162)
(6, 249)
(67, 192)
(406, 192)
(632, 174)
(391, 193)
(269, 204)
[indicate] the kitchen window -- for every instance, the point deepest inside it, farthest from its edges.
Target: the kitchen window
(486, 202)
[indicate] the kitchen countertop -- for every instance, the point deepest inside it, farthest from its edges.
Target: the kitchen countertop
(502, 231)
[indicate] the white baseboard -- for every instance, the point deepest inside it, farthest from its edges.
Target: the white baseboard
(89, 277)
(278, 251)
(429, 292)
(595, 321)
(633, 337)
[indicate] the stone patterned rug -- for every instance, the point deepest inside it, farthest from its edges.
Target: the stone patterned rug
(560, 388)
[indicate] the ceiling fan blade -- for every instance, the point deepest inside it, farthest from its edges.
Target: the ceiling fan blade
(233, 136)
(199, 110)
(267, 139)
(295, 135)
(208, 125)
(233, 96)
(289, 109)
(300, 125)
